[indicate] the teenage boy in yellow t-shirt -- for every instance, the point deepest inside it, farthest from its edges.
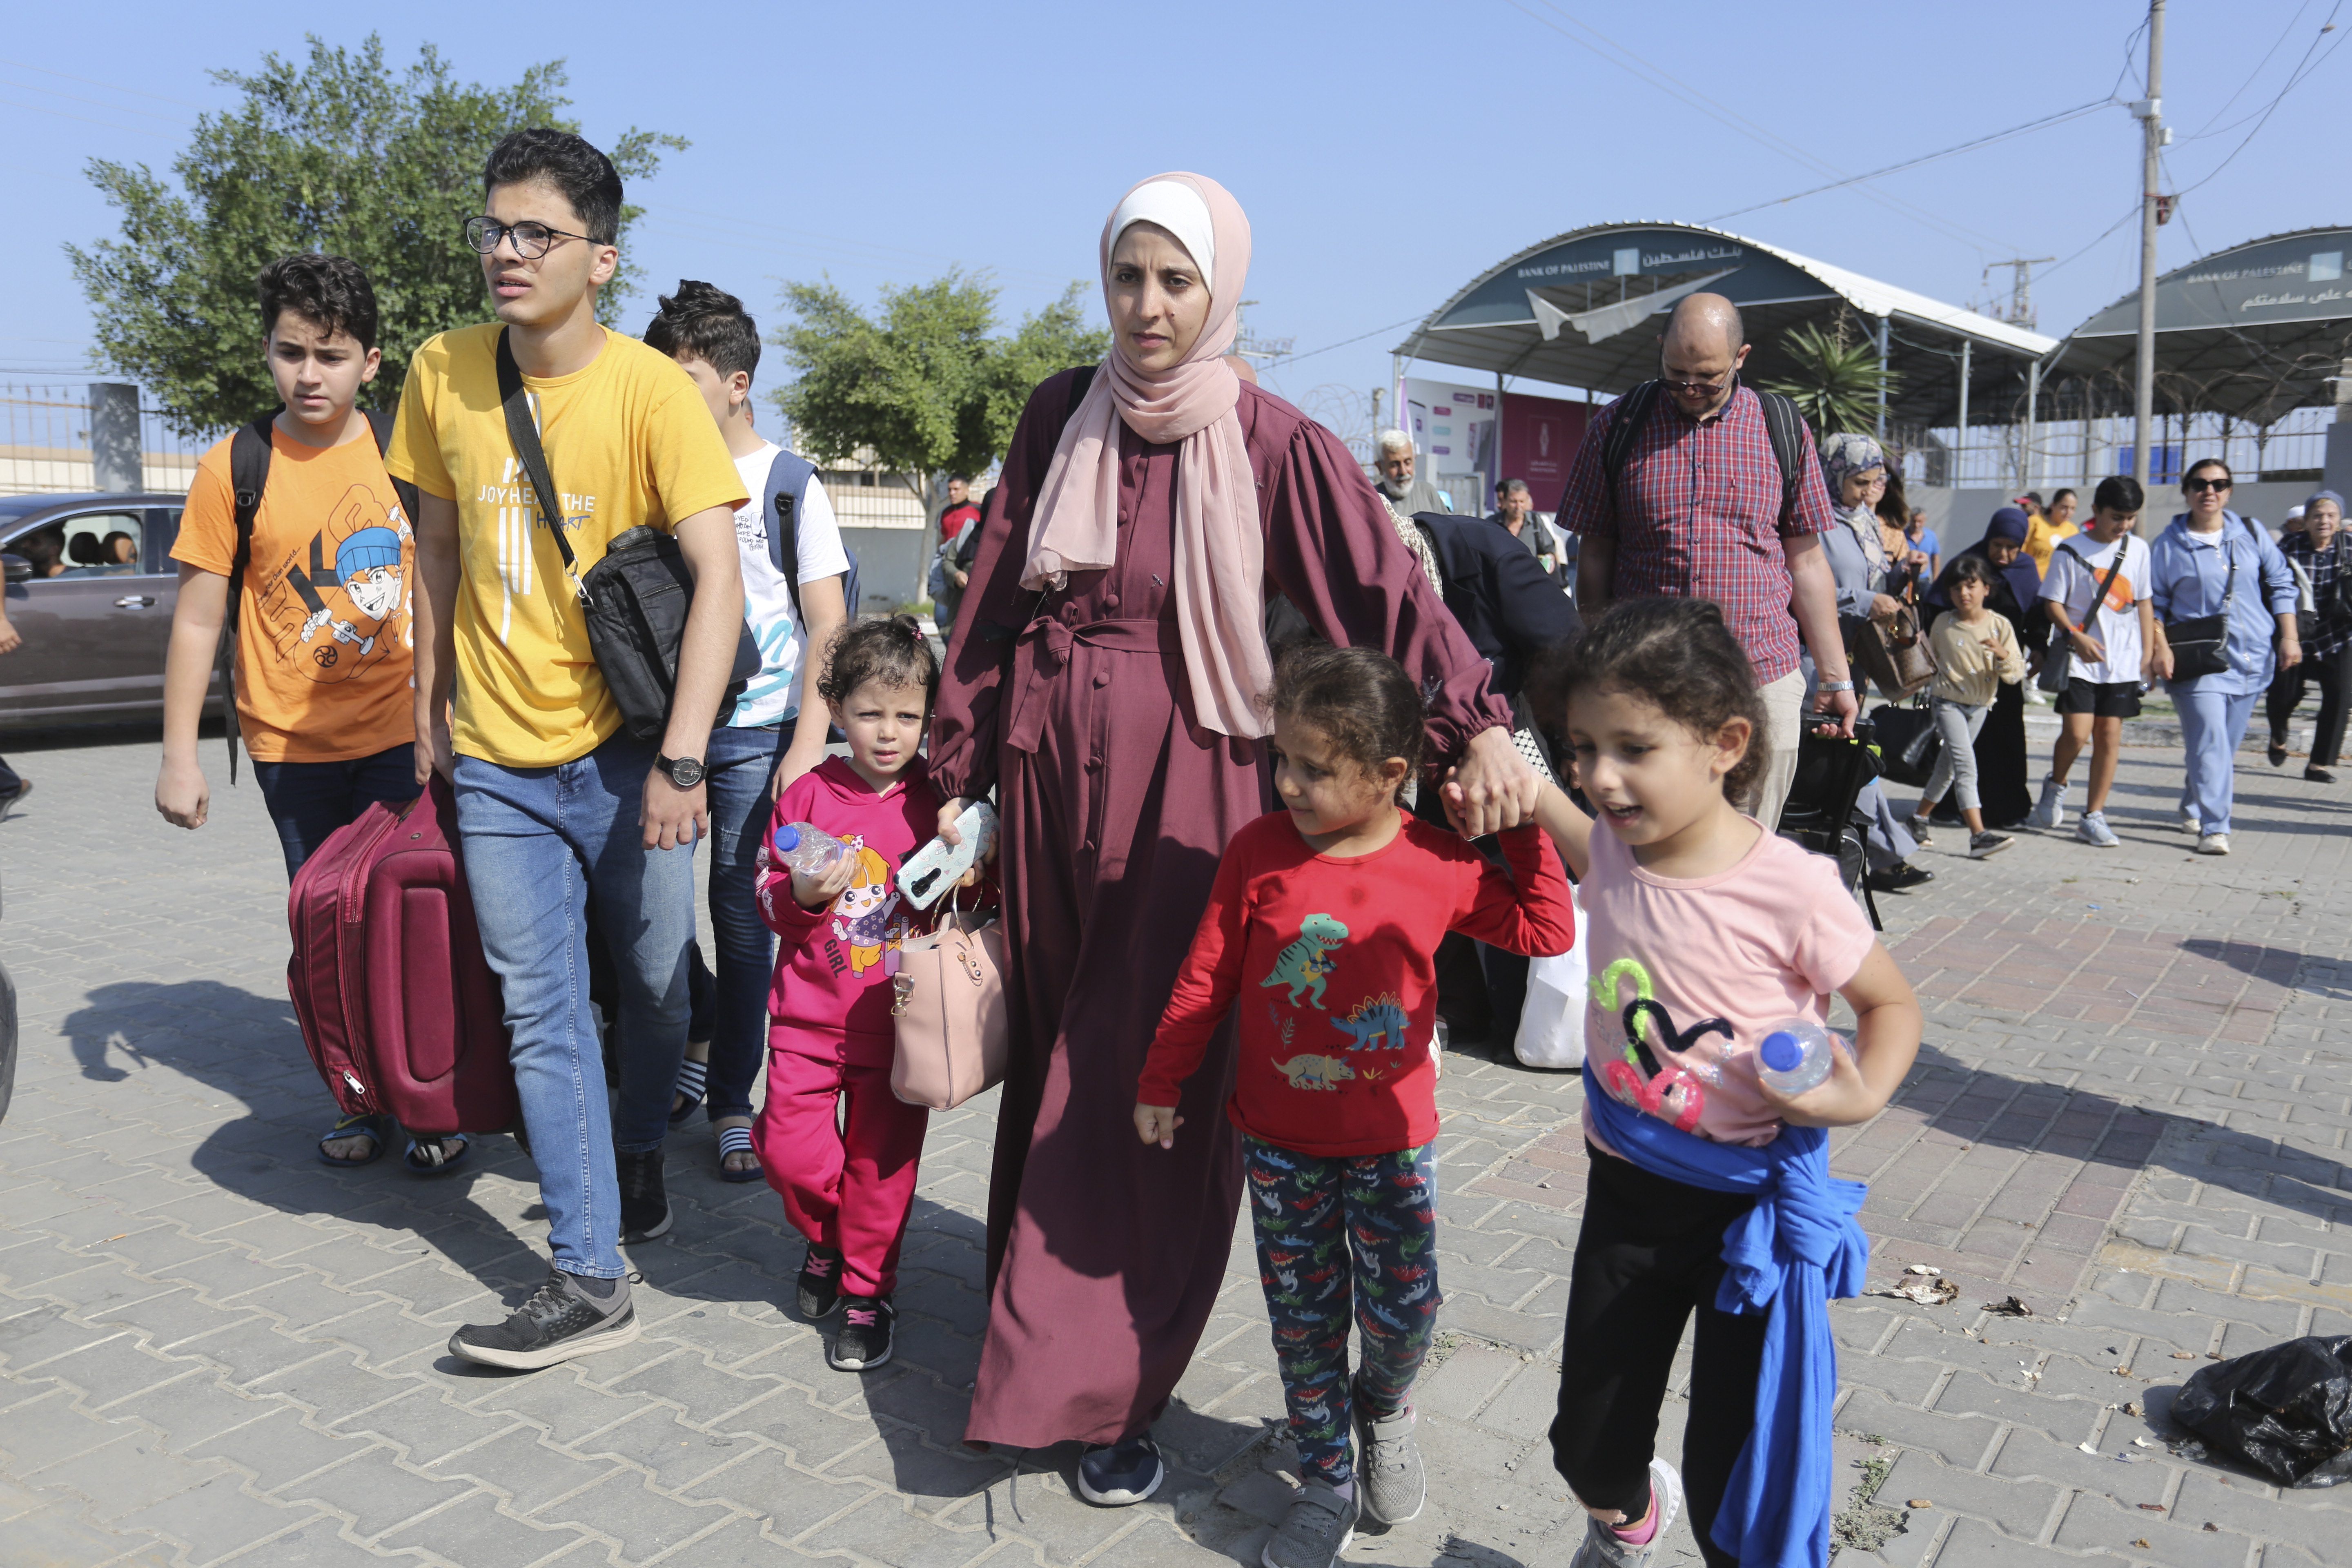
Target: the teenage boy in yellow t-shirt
(322, 633)
(556, 803)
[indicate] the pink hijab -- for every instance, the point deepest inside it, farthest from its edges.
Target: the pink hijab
(1219, 555)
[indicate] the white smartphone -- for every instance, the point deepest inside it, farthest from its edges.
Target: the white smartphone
(938, 865)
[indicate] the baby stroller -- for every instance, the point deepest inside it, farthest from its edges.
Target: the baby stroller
(1820, 815)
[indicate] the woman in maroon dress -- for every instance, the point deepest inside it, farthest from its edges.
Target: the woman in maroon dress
(1104, 678)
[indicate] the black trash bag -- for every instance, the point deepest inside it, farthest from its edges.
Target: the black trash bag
(2286, 1410)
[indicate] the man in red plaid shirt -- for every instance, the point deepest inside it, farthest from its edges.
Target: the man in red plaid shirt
(1698, 513)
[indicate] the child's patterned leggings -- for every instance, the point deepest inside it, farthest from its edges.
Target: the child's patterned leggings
(1334, 1234)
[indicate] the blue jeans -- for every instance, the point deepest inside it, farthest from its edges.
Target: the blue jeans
(308, 801)
(540, 843)
(742, 765)
(2213, 724)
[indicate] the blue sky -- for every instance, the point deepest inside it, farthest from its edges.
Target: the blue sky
(1386, 152)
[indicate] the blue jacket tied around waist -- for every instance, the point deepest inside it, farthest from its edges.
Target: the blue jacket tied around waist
(1786, 1257)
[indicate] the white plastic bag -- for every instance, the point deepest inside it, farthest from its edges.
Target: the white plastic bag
(1551, 1026)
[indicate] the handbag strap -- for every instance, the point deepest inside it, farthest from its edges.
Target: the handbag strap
(523, 431)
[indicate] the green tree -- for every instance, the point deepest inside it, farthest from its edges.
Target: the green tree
(921, 384)
(338, 153)
(1836, 382)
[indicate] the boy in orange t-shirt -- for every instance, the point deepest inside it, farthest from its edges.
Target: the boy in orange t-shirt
(324, 650)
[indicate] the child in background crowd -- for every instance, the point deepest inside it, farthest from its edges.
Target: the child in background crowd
(1706, 932)
(2114, 646)
(1976, 651)
(1321, 932)
(848, 1180)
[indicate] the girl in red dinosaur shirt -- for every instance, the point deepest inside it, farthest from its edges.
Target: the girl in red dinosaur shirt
(1321, 937)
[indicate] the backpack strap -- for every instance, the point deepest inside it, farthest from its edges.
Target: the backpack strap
(381, 423)
(782, 499)
(1626, 418)
(248, 475)
(1791, 444)
(523, 433)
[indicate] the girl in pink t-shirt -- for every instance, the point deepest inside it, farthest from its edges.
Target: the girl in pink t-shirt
(1705, 931)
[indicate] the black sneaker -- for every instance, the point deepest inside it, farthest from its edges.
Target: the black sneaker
(863, 1342)
(644, 1205)
(1118, 1474)
(560, 1321)
(1899, 878)
(820, 1282)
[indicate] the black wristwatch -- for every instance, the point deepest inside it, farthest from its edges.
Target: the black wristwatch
(684, 771)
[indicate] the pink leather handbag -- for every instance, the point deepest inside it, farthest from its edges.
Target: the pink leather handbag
(950, 1010)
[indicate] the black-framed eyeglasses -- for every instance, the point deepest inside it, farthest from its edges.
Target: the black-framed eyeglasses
(2193, 486)
(1697, 388)
(531, 241)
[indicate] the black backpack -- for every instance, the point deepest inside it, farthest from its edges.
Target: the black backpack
(248, 473)
(1783, 423)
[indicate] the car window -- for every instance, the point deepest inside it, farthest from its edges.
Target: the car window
(44, 547)
(162, 529)
(104, 544)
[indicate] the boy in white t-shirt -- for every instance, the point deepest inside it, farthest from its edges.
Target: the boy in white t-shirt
(2113, 650)
(759, 748)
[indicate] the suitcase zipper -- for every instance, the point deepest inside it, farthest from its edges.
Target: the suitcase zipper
(351, 897)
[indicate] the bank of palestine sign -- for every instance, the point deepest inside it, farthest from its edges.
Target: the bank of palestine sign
(1598, 286)
(2299, 278)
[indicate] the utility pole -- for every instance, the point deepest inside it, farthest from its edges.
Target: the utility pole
(2150, 111)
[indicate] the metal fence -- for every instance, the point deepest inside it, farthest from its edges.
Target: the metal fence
(44, 442)
(2082, 451)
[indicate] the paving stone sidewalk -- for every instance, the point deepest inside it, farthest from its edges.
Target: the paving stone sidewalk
(2129, 1117)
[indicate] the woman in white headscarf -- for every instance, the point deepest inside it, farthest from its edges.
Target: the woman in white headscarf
(1104, 680)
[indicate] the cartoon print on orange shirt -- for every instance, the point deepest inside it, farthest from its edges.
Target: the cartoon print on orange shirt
(862, 914)
(334, 608)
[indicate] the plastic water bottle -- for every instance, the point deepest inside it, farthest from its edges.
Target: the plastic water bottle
(1794, 1055)
(808, 848)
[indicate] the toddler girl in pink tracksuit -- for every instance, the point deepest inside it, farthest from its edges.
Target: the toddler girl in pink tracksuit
(847, 1181)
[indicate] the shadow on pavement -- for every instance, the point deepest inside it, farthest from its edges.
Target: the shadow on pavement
(1983, 1106)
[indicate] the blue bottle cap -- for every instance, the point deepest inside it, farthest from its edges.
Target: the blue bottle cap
(1782, 1051)
(788, 837)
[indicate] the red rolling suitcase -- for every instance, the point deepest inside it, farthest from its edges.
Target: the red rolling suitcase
(397, 1005)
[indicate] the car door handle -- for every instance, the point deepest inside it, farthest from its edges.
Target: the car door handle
(134, 601)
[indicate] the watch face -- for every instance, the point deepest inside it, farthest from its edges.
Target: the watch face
(685, 771)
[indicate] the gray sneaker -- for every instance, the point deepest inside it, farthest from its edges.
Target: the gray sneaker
(1388, 1476)
(1603, 1549)
(561, 1321)
(2050, 811)
(1315, 1532)
(2091, 827)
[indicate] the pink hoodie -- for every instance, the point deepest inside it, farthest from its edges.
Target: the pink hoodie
(832, 994)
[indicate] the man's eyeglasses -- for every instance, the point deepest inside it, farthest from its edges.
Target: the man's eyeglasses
(531, 241)
(2194, 486)
(1694, 388)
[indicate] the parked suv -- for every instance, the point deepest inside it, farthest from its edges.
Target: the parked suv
(91, 585)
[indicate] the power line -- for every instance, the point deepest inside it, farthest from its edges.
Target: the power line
(89, 81)
(2284, 33)
(94, 102)
(2046, 121)
(1292, 359)
(2302, 70)
(1657, 77)
(86, 119)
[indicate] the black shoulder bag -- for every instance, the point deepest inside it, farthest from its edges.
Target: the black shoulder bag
(634, 600)
(2200, 644)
